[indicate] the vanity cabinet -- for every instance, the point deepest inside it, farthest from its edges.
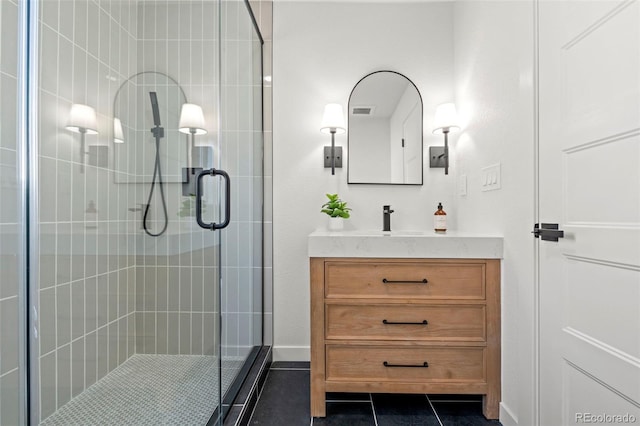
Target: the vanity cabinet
(405, 326)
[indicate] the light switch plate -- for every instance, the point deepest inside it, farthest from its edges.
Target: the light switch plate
(490, 178)
(462, 185)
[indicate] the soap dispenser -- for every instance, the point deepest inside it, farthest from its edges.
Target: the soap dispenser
(440, 220)
(91, 216)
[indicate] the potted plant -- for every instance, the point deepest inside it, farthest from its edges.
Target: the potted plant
(188, 206)
(337, 211)
(188, 210)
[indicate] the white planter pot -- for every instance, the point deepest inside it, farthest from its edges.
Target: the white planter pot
(336, 224)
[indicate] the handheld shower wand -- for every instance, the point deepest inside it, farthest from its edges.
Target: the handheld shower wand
(158, 133)
(155, 109)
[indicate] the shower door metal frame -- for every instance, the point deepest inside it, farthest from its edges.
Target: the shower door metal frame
(29, 134)
(27, 176)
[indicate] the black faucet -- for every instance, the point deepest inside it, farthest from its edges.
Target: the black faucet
(386, 218)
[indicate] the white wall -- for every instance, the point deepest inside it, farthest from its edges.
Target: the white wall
(321, 50)
(494, 96)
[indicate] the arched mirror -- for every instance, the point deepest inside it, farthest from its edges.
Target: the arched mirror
(385, 131)
(134, 118)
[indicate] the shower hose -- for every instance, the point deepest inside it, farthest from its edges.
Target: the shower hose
(158, 133)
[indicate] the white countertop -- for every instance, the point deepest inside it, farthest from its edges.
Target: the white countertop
(405, 244)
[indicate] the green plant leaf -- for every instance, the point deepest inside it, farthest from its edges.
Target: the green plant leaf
(335, 207)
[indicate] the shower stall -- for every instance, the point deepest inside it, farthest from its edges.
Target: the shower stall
(124, 125)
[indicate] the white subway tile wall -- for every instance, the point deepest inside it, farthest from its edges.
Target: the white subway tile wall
(241, 154)
(177, 279)
(86, 264)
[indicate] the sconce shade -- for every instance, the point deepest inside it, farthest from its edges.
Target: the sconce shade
(446, 118)
(82, 119)
(333, 118)
(118, 134)
(192, 120)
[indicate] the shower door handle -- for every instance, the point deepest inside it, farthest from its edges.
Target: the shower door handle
(227, 208)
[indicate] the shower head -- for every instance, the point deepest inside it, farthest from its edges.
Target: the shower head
(154, 107)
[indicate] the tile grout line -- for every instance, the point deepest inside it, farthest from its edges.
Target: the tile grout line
(373, 409)
(434, 410)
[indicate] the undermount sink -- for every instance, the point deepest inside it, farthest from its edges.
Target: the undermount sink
(406, 233)
(376, 233)
(404, 244)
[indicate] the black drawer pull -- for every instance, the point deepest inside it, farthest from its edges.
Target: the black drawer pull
(424, 322)
(423, 365)
(422, 281)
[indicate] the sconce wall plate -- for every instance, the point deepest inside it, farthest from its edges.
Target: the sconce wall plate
(327, 156)
(189, 180)
(436, 157)
(98, 156)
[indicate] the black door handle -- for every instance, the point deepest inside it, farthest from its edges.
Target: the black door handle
(227, 208)
(423, 365)
(547, 231)
(424, 322)
(422, 281)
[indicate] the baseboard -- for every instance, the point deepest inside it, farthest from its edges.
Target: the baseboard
(507, 418)
(291, 353)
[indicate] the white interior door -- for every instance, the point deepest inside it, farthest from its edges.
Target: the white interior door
(589, 183)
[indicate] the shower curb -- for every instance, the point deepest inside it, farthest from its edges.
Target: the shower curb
(240, 412)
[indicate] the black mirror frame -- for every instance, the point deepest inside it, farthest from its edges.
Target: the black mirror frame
(421, 133)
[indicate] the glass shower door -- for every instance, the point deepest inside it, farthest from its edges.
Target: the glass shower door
(241, 154)
(137, 315)
(125, 285)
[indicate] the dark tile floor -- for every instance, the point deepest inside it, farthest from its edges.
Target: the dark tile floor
(284, 401)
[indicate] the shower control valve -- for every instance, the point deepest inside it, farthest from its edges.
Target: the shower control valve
(158, 132)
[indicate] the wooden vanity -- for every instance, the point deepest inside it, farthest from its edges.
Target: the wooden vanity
(405, 325)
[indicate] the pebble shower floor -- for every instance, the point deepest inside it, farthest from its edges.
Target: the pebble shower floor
(150, 390)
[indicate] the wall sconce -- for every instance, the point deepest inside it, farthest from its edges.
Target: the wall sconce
(333, 122)
(82, 119)
(118, 133)
(446, 120)
(191, 123)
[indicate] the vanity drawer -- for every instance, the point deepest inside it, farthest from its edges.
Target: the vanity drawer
(404, 280)
(383, 322)
(405, 364)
